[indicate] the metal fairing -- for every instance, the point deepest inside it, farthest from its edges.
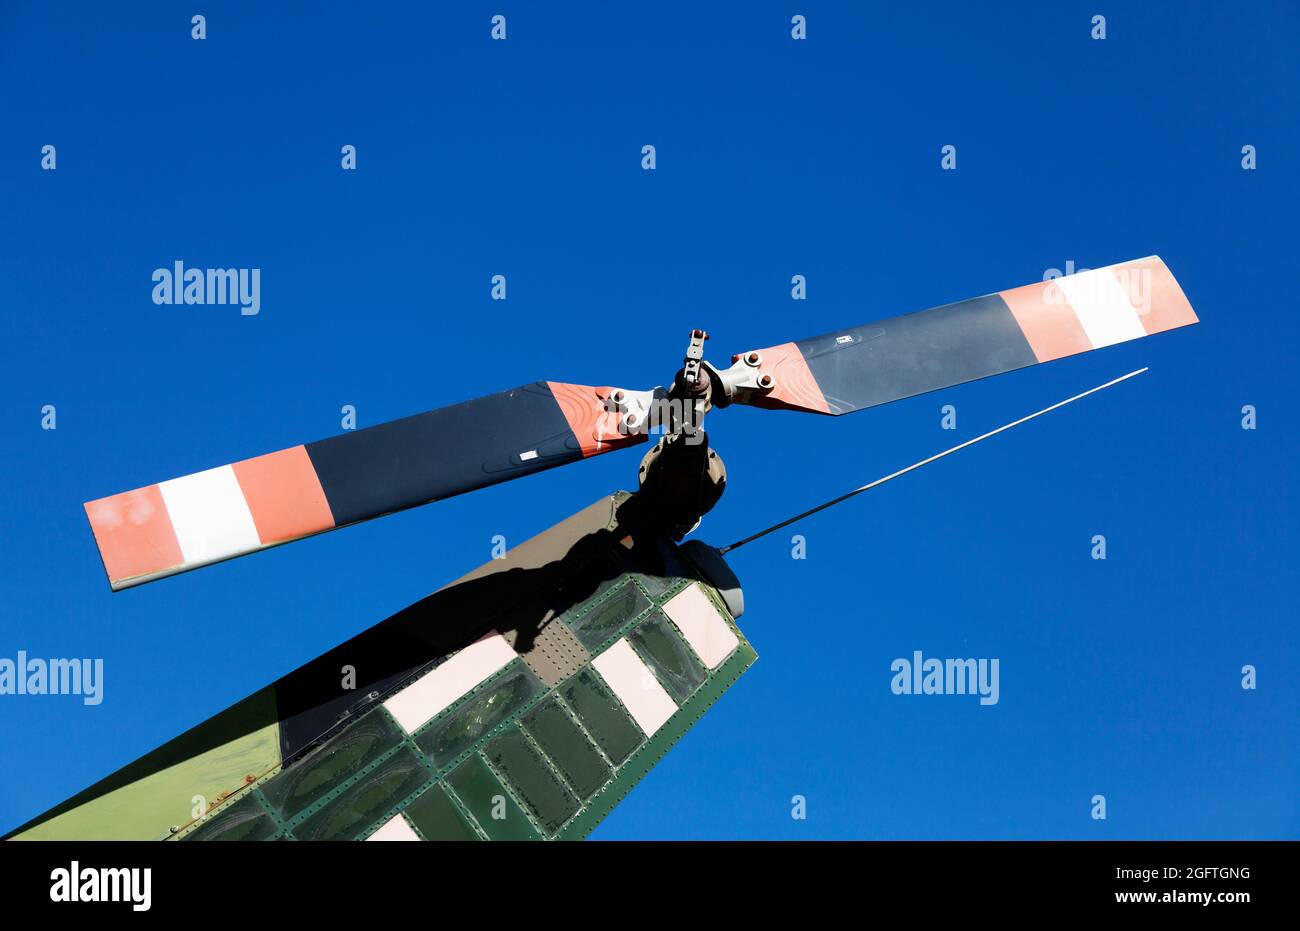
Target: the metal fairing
(523, 701)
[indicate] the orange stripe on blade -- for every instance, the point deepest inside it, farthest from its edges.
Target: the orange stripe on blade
(134, 534)
(1155, 295)
(284, 495)
(1047, 320)
(796, 387)
(595, 427)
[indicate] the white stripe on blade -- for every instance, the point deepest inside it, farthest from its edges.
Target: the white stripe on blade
(704, 629)
(209, 515)
(395, 828)
(1104, 310)
(635, 685)
(416, 704)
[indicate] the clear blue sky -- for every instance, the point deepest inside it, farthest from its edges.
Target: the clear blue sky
(775, 158)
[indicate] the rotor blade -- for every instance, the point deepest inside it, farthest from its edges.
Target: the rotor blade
(209, 516)
(909, 355)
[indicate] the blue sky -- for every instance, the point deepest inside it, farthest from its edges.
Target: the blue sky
(775, 157)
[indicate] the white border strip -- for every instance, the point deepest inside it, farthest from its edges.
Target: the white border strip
(704, 629)
(635, 685)
(209, 515)
(440, 688)
(395, 828)
(1104, 310)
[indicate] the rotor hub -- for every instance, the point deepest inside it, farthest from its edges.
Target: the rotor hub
(681, 478)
